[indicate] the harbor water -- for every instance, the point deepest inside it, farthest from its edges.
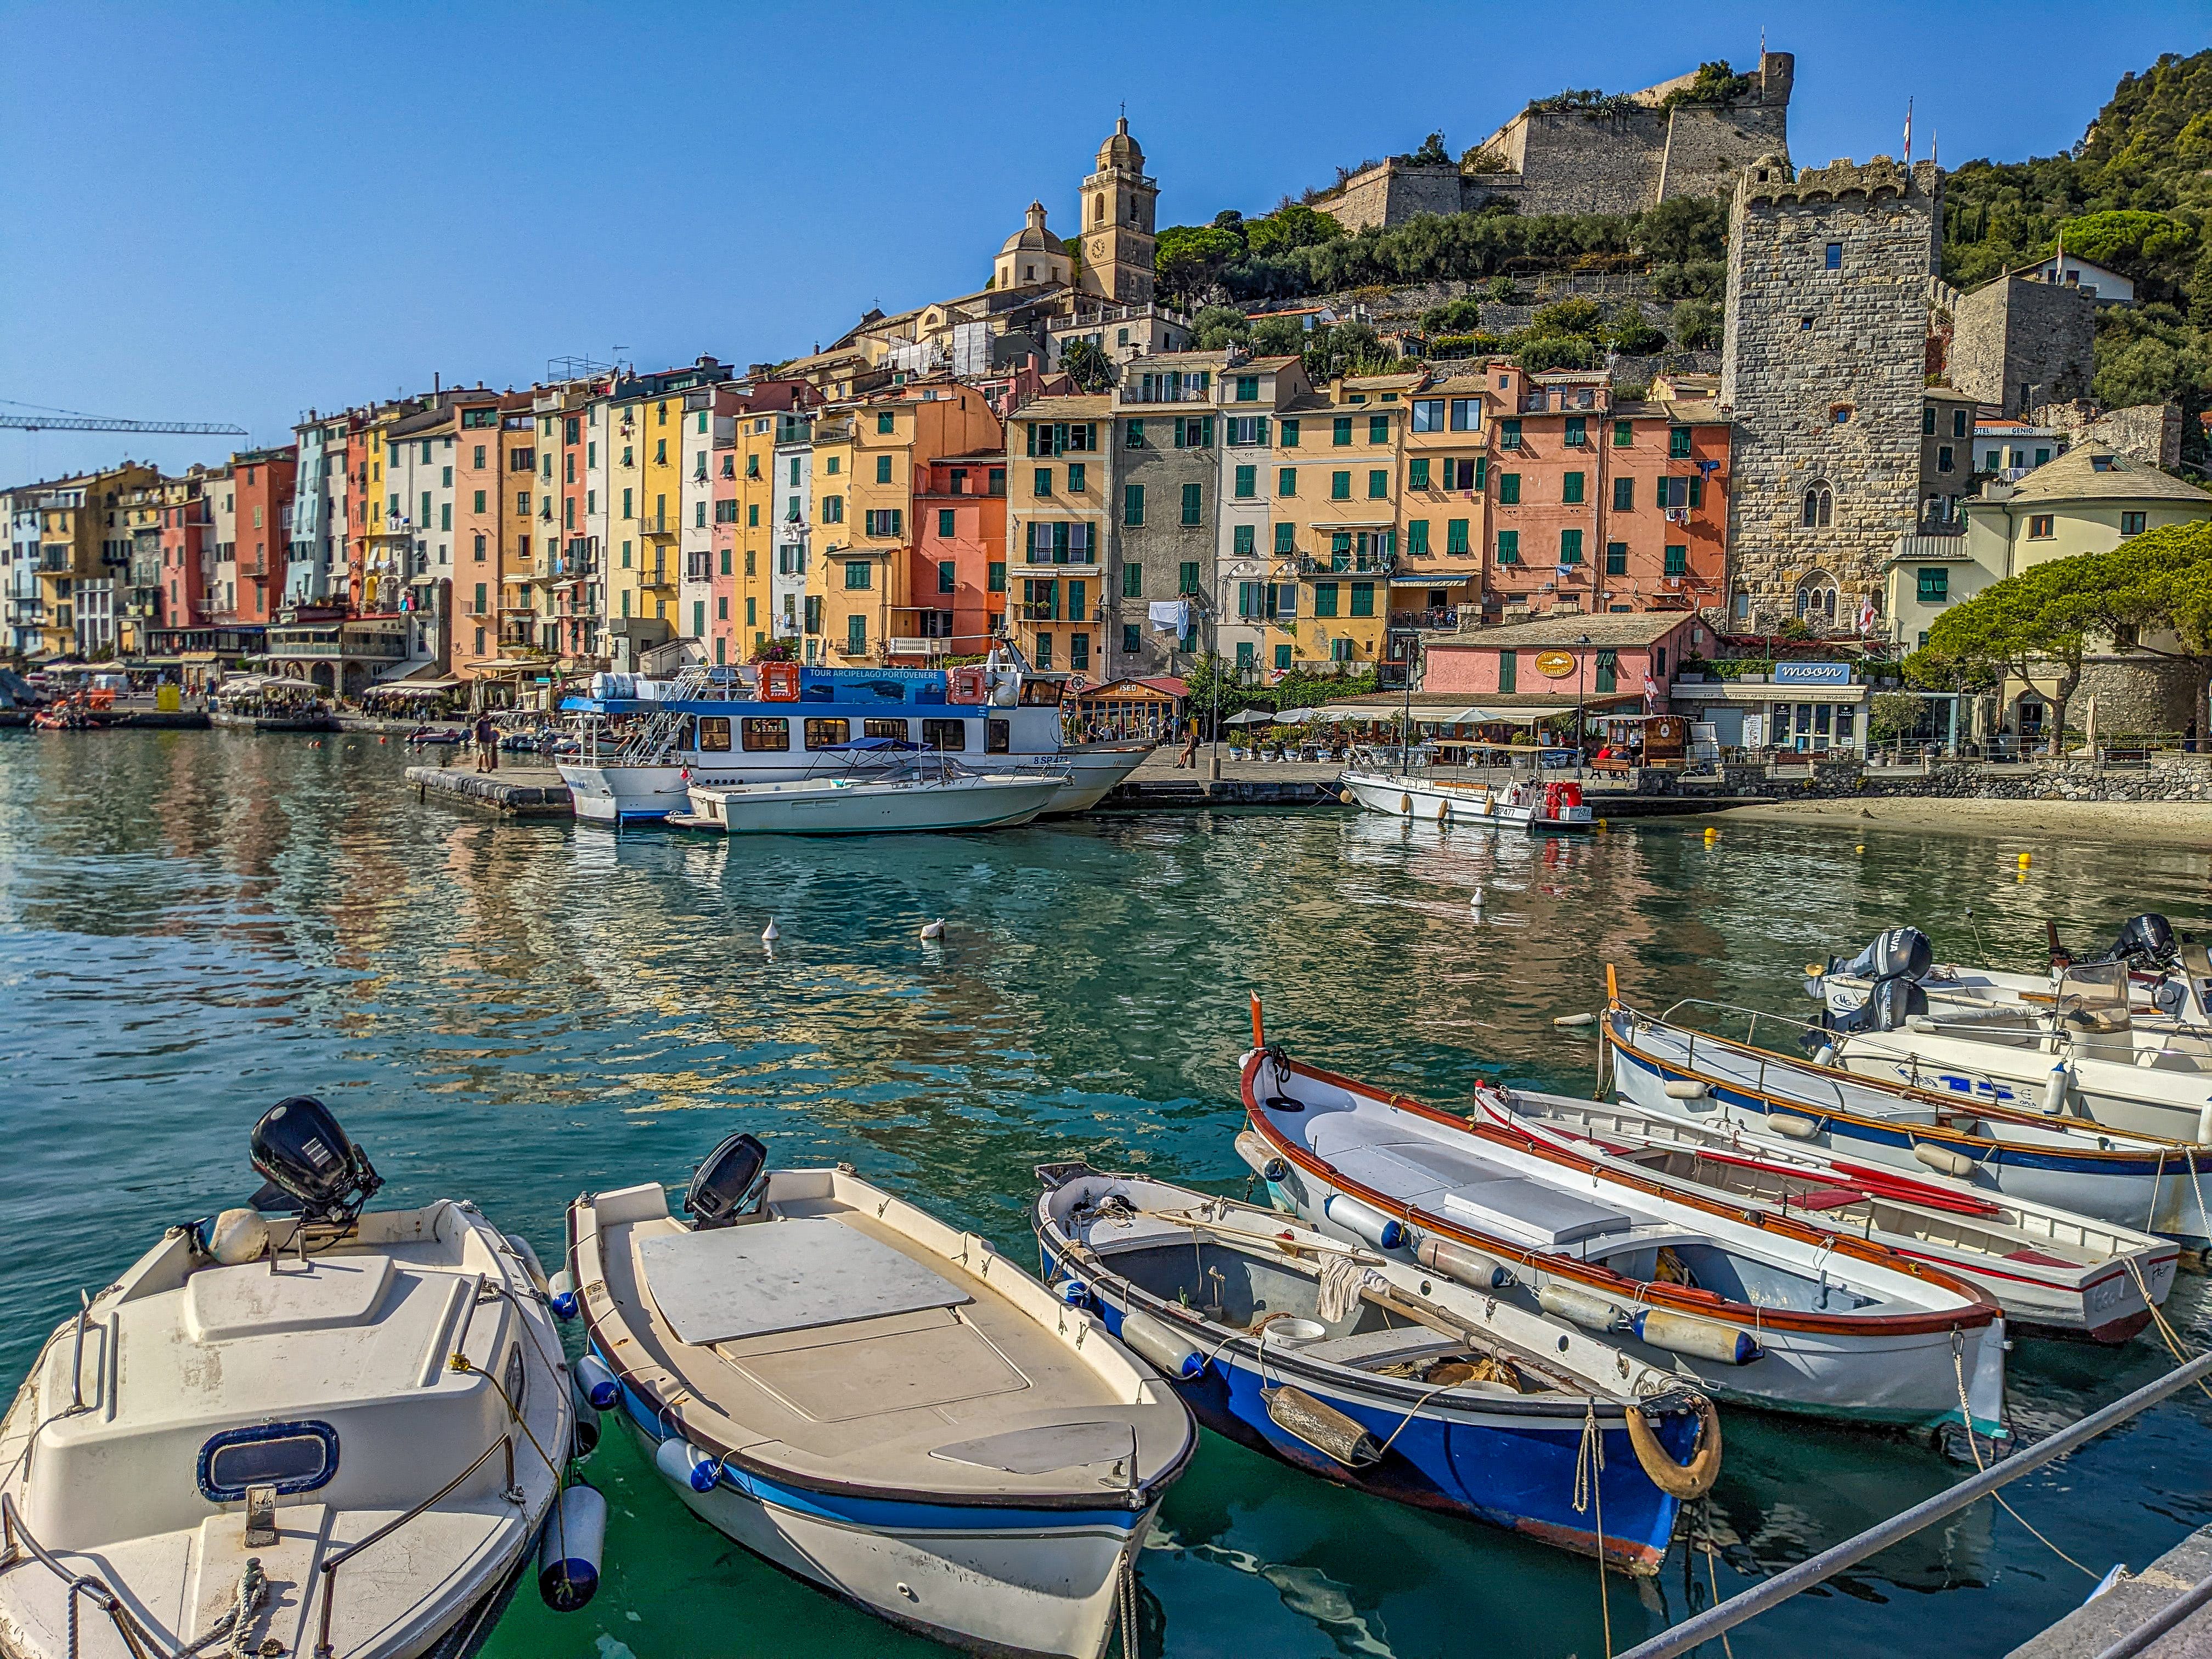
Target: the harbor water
(194, 924)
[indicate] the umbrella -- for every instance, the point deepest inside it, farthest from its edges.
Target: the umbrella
(1253, 717)
(1295, 716)
(2089, 728)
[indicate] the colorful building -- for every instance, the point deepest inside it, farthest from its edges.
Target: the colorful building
(1060, 484)
(1346, 520)
(958, 579)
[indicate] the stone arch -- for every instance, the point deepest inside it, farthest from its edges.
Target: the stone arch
(322, 674)
(1816, 599)
(1818, 508)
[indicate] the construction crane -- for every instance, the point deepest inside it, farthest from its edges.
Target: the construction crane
(71, 420)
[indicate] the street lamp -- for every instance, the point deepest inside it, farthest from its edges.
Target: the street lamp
(1580, 657)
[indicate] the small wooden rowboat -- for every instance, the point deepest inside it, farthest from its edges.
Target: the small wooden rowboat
(1767, 1310)
(878, 1403)
(1402, 1383)
(2050, 1270)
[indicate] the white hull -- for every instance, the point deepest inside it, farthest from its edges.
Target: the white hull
(603, 793)
(1040, 1590)
(1446, 802)
(827, 806)
(2142, 1097)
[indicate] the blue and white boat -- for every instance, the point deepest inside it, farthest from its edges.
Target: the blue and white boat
(1382, 1375)
(649, 742)
(876, 1402)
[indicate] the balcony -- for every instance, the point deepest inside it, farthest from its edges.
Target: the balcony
(1443, 617)
(658, 523)
(659, 577)
(1346, 564)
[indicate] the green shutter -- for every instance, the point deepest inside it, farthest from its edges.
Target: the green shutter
(1417, 535)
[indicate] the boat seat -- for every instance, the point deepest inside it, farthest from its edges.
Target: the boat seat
(795, 1275)
(1365, 1350)
(1464, 1185)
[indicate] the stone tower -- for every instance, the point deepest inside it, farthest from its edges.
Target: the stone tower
(1116, 237)
(1823, 367)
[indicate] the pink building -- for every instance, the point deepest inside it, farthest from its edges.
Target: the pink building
(1606, 661)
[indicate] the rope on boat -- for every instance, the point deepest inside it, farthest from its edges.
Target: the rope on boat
(1959, 1371)
(1128, 1601)
(1590, 1472)
(2165, 1330)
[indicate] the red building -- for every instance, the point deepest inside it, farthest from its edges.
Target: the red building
(958, 579)
(262, 481)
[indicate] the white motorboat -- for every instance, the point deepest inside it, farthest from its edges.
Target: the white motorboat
(2138, 1181)
(1382, 1375)
(1522, 803)
(648, 742)
(2049, 1269)
(1766, 1310)
(315, 1433)
(934, 793)
(877, 1403)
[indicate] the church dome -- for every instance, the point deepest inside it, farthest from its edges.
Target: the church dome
(1033, 237)
(1121, 150)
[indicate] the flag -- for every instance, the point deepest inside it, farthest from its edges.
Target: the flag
(1650, 695)
(1908, 132)
(1866, 616)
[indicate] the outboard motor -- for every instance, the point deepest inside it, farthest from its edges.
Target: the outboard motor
(311, 1167)
(728, 1185)
(1893, 1001)
(1894, 961)
(2145, 943)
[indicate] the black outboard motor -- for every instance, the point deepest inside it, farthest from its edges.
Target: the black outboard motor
(311, 1167)
(1891, 1003)
(1895, 961)
(2145, 943)
(1896, 953)
(728, 1184)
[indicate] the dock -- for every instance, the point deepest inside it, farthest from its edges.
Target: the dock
(514, 791)
(2147, 1607)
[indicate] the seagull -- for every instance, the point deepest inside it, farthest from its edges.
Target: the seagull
(933, 930)
(769, 934)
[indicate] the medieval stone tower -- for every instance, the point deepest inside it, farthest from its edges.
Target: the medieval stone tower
(1824, 366)
(1117, 233)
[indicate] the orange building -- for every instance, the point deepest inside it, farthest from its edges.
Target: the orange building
(958, 581)
(262, 482)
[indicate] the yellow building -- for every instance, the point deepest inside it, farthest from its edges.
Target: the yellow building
(1347, 519)
(658, 421)
(756, 539)
(1442, 504)
(84, 559)
(828, 582)
(1059, 486)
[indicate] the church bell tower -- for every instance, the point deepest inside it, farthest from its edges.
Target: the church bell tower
(1117, 233)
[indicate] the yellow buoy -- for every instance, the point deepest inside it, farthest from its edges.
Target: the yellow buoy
(2023, 860)
(1860, 848)
(1712, 834)
(1346, 796)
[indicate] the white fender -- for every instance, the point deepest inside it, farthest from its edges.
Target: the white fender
(597, 1383)
(1943, 1160)
(1462, 1264)
(1262, 1159)
(683, 1464)
(1173, 1354)
(570, 1552)
(2055, 1086)
(1584, 1308)
(1788, 1123)
(1364, 1221)
(1701, 1339)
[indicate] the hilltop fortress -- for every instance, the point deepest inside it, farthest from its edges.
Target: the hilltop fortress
(1620, 155)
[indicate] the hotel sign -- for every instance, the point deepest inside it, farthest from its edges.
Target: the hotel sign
(1812, 673)
(1555, 665)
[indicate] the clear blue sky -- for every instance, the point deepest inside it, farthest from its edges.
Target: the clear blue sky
(231, 211)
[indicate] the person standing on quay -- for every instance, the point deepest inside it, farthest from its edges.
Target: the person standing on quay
(487, 744)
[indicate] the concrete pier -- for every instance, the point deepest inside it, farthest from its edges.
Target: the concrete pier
(517, 791)
(2096, 1625)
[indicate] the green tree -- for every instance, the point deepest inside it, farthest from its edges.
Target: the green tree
(1631, 335)
(1694, 325)
(1685, 229)
(1187, 259)
(1277, 337)
(1537, 352)
(1290, 227)
(2029, 626)
(1453, 317)
(1582, 317)
(1431, 154)
(2152, 594)
(1214, 327)
(1087, 366)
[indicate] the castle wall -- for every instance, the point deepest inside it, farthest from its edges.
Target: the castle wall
(1804, 344)
(1709, 144)
(2012, 332)
(1572, 163)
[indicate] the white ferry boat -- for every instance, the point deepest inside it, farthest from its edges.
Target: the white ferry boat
(649, 743)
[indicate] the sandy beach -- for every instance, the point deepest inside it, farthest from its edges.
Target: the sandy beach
(2173, 823)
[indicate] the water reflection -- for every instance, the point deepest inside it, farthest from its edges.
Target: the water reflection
(194, 924)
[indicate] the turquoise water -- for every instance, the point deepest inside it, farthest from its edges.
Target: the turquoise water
(194, 924)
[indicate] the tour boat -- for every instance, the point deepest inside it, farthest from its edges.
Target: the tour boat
(714, 727)
(1524, 804)
(878, 1404)
(2050, 1270)
(1767, 1311)
(1382, 1376)
(919, 793)
(307, 1432)
(2137, 1180)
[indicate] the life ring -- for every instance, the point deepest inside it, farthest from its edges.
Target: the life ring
(966, 684)
(1692, 1479)
(778, 682)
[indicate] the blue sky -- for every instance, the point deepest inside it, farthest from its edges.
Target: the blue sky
(232, 211)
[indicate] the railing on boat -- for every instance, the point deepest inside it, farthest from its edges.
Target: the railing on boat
(137, 1641)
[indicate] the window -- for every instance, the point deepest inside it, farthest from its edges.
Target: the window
(1076, 476)
(1932, 585)
(1928, 420)
(823, 733)
(1417, 474)
(2039, 526)
(1132, 582)
(480, 549)
(1378, 429)
(2043, 458)
(2131, 523)
(1509, 670)
(886, 521)
(1624, 434)
(995, 579)
(1286, 539)
(1456, 540)
(1677, 443)
(1186, 581)
(1133, 639)
(1079, 656)
(856, 636)
(1464, 474)
(1509, 547)
(895, 730)
(1416, 536)
(1616, 558)
(1287, 435)
(859, 575)
(1194, 432)
(833, 509)
(293, 1458)
(884, 466)
(1339, 486)
(1818, 507)
(1570, 489)
(1133, 504)
(1958, 423)
(1043, 483)
(1570, 547)
(1363, 598)
(1509, 434)
(950, 735)
(1608, 665)
(1835, 255)
(814, 613)
(1247, 430)
(834, 464)
(1943, 457)
(1577, 431)
(1283, 656)
(1193, 504)
(1342, 430)
(1247, 482)
(761, 733)
(1325, 599)
(886, 422)
(1247, 656)
(1248, 390)
(1428, 414)
(1509, 489)
(945, 580)
(1241, 540)
(1467, 413)
(1135, 438)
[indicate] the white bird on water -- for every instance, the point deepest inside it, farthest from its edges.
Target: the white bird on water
(933, 930)
(769, 934)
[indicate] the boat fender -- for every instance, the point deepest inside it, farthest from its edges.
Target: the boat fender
(2054, 1086)
(532, 1265)
(584, 1435)
(685, 1465)
(569, 1553)
(598, 1383)
(1685, 1480)
(237, 1236)
(1580, 1306)
(1323, 1427)
(1160, 1345)
(562, 1299)
(1075, 1292)
(1943, 1160)
(1462, 1265)
(1825, 1055)
(1405, 805)
(1686, 1088)
(1263, 1160)
(1364, 1221)
(1788, 1123)
(1700, 1338)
